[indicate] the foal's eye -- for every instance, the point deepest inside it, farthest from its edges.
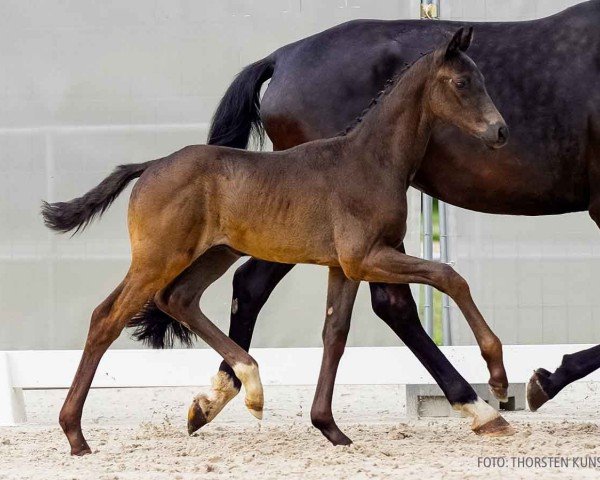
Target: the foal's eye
(460, 84)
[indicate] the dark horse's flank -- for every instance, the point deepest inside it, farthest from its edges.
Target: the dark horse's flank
(544, 81)
(194, 213)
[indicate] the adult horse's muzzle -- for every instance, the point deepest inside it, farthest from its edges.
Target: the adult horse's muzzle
(496, 135)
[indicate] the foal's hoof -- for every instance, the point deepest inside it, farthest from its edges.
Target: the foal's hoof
(500, 393)
(196, 418)
(255, 408)
(536, 396)
(330, 431)
(81, 450)
(336, 436)
(497, 427)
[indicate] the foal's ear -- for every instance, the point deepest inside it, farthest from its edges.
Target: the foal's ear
(455, 44)
(466, 40)
(460, 42)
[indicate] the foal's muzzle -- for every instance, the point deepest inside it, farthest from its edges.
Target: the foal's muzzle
(496, 135)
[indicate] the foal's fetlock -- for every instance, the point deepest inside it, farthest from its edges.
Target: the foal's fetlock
(327, 426)
(500, 392)
(206, 406)
(486, 420)
(249, 376)
(498, 382)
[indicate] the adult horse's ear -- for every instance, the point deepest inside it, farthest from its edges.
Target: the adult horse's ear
(466, 40)
(455, 44)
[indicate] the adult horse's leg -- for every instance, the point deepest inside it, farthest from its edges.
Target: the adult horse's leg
(253, 283)
(544, 386)
(341, 293)
(388, 265)
(395, 306)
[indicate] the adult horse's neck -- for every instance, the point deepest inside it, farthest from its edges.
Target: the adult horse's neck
(396, 130)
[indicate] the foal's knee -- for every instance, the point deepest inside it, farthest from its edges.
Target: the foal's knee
(454, 284)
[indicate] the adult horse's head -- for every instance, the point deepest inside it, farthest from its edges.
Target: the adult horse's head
(458, 95)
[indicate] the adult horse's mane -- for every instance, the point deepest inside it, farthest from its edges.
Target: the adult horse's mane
(387, 88)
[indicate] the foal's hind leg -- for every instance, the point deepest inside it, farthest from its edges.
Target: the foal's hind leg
(341, 293)
(180, 299)
(108, 320)
(253, 282)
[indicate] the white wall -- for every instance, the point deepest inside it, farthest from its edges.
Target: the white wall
(167, 62)
(111, 65)
(534, 279)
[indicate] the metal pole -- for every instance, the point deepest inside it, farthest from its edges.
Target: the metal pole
(444, 258)
(428, 255)
(430, 9)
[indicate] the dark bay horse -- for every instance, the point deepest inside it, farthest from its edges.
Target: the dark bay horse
(544, 81)
(194, 213)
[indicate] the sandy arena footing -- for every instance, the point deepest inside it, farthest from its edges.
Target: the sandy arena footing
(141, 434)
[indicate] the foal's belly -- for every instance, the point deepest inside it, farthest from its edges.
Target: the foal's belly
(283, 240)
(310, 244)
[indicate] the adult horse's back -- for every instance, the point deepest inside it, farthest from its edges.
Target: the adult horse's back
(542, 81)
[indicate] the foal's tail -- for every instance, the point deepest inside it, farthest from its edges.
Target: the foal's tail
(238, 114)
(79, 212)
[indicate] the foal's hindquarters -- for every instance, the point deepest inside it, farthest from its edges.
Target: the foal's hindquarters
(173, 262)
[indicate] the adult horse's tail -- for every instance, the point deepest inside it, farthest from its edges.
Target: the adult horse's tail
(237, 116)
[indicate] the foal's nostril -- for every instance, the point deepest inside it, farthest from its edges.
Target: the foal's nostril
(503, 134)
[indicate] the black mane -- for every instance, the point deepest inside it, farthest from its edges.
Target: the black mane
(387, 88)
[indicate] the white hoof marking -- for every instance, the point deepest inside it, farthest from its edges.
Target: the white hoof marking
(479, 411)
(221, 393)
(250, 378)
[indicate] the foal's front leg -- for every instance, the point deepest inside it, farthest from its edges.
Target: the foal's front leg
(388, 265)
(341, 293)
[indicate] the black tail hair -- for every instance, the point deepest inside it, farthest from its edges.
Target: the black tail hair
(236, 119)
(79, 212)
(238, 114)
(156, 329)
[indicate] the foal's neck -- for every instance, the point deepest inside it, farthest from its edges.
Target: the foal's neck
(396, 131)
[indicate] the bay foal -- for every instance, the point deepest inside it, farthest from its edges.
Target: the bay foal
(339, 202)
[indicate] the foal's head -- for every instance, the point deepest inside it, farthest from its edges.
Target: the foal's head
(457, 93)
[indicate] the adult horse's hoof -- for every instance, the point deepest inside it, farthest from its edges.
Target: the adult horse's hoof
(497, 427)
(196, 417)
(500, 393)
(536, 396)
